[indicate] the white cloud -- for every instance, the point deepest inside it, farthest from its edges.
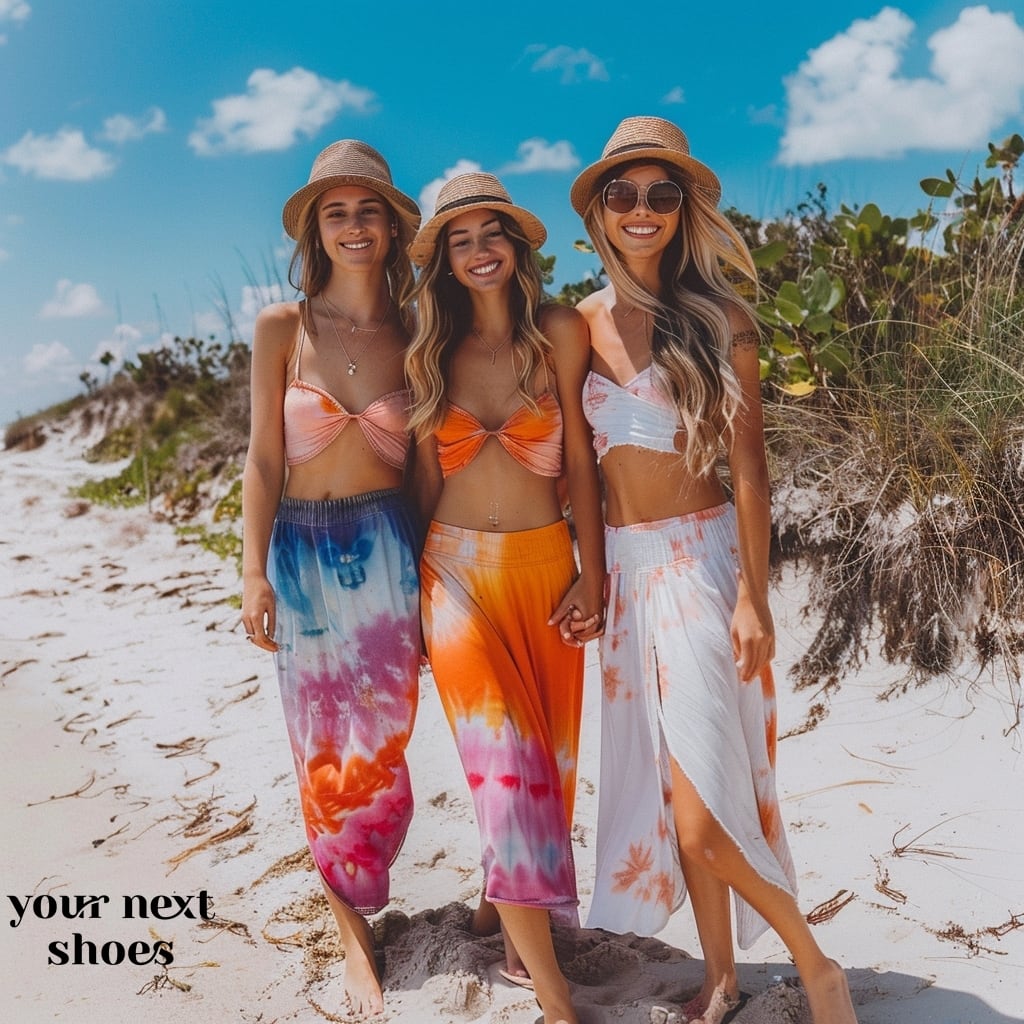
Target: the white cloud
(114, 347)
(44, 358)
(4, 255)
(124, 336)
(122, 128)
(674, 95)
(255, 297)
(73, 300)
(574, 64)
(428, 194)
(12, 10)
(540, 155)
(274, 111)
(65, 156)
(849, 100)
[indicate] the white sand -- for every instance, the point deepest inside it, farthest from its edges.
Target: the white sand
(144, 755)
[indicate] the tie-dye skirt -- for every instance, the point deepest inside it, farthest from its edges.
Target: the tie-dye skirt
(671, 690)
(344, 572)
(512, 692)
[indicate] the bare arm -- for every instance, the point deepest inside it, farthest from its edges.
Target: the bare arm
(583, 603)
(753, 632)
(264, 474)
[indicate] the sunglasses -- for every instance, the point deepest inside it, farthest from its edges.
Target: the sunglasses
(621, 196)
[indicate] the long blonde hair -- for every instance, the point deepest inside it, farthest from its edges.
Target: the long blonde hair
(445, 316)
(691, 338)
(310, 267)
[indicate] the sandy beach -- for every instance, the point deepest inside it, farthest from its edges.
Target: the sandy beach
(151, 821)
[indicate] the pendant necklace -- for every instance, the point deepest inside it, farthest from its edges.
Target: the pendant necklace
(352, 360)
(495, 349)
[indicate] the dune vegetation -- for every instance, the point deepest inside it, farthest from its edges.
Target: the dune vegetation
(893, 380)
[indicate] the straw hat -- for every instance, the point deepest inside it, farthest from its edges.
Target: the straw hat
(645, 138)
(475, 191)
(347, 162)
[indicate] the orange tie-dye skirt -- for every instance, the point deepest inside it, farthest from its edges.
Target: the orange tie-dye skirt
(512, 692)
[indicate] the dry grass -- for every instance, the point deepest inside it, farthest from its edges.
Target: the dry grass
(903, 489)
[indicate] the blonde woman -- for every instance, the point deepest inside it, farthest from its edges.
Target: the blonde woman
(496, 379)
(329, 544)
(687, 798)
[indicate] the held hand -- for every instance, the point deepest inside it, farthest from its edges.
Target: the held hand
(753, 638)
(259, 613)
(579, 616)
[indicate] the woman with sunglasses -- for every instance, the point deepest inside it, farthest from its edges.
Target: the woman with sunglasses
(330, 585)
(497, 380)
(687, 796)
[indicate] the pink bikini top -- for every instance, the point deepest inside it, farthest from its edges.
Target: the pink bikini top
(313, 419)
(533, 441)
(635, 413)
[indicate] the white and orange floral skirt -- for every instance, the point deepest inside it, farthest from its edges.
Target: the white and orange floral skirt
(671, 690)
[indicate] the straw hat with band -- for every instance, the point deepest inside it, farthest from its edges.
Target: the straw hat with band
(347, 162)
(474, 191)
(645, 138)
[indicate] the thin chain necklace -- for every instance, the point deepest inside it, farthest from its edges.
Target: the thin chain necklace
(352, 360)
(494, 349)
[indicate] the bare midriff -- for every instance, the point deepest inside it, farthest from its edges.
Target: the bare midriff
(643, 486)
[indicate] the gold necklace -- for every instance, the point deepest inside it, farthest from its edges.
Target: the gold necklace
(331, 310)
(495, 349)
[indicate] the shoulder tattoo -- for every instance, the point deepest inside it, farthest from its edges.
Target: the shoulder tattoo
(746, 338)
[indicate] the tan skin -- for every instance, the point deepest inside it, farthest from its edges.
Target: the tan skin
(356, 230)
(644, 486)
(494, 484)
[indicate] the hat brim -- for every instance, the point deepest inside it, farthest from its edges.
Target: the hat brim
(296, 207)
(422, 247)
(697, 174)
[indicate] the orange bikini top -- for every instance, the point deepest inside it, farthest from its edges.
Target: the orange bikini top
(533, 441)
(313, 418)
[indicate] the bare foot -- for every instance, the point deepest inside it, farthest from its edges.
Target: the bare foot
(719, 1009)
(363, 992)
(829, 996)
(556, 1003)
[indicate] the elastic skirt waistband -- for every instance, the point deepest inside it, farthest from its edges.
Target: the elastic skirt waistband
(643, 546)
(515, 548)
(332, 511)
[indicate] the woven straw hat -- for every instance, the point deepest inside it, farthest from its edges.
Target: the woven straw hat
(645, 138)
(474, 191)
(347, 162)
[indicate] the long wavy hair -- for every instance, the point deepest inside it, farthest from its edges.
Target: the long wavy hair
(310, 267)
(691, 339)
(445, 316)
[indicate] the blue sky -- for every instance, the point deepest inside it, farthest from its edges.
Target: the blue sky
(147, 146)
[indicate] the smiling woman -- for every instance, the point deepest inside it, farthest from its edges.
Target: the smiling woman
(329, 565)
(497, 381)
(687, 798)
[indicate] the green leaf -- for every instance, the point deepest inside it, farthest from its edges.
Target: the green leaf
(768, 255)
(798, 368)
(582, 246)
(937, 187)
(836, 295)
(791, 312)
(783, 344)
(871, 215)
(819, 323)
(817, 289)
(764, 369)
(834, 357)
(799, 389)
